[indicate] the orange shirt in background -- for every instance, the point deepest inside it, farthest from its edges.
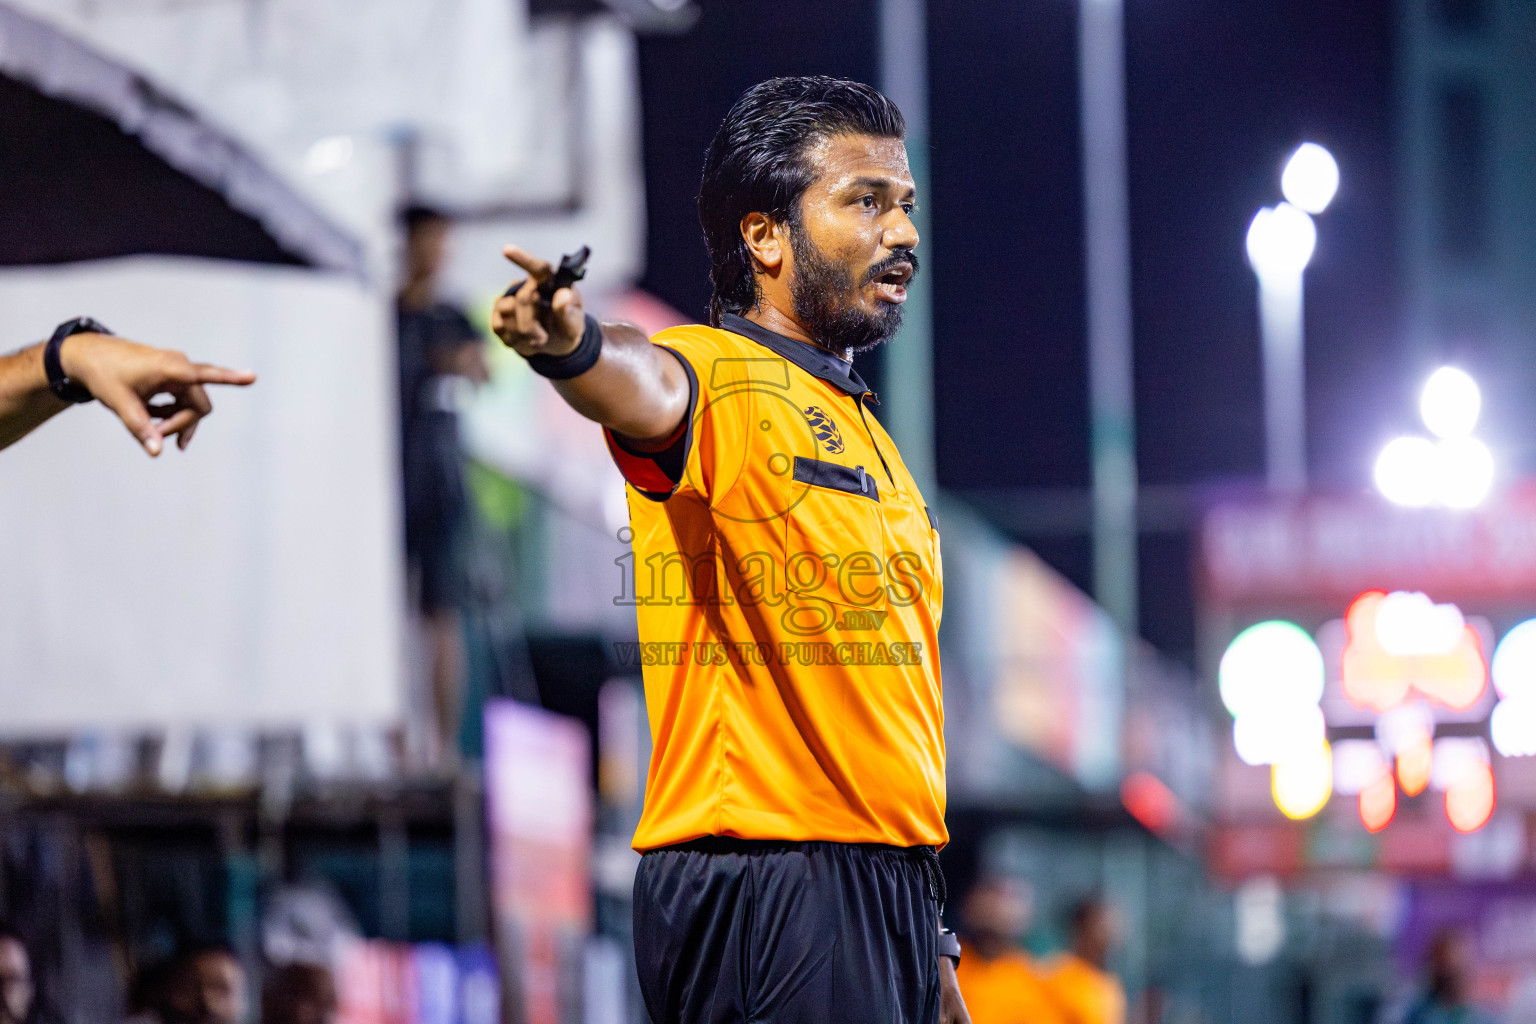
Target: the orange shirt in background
(1004, 990)
(1082, 993)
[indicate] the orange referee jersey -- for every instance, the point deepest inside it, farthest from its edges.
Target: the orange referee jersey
(787, 581)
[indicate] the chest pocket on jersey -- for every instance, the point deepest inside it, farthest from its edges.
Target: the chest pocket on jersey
(834, 546)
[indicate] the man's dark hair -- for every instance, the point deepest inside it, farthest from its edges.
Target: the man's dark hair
(1084, 911)
(416, 214)
(757, 164)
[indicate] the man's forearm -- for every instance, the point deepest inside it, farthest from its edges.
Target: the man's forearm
(635, 388)
(25, 401)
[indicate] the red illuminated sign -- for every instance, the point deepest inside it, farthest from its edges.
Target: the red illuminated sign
(1332, 548)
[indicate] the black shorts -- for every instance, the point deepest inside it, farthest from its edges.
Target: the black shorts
(729, 931)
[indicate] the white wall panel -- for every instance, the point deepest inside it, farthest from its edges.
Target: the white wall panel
(253, 579)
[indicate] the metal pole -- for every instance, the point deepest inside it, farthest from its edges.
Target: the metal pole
(1285, 423)
(1106, 207)
(908, 397)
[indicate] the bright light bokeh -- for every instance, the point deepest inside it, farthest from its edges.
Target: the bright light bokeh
(1270, 665)
(1415, 762)
(1357, 764)
(1455, 758)
(1406, 470)
(1259, 905)
(1408, 623)
(1278, 734)
(331, 153)
(1450, 403)
(1405, 726)
(1469, 801)
(1311, 178)
(1378, 804)
(1415, 471)
(1280, 241)
(1443, 661)
(1301, 785)
(1464, 472)
(1513, 726)
(1456, 472)
(1514, 662)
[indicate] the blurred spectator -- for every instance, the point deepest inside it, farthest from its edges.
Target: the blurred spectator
(999, 981)
(16, 988)
(1080, 986)
(299, 994)
(1445, 996)
(87, 364)
(439, 351)
(146, 992)
(206, 985)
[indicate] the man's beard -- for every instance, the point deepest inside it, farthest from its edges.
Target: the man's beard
(826, 304)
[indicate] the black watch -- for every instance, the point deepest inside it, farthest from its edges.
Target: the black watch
(64, 389)
(949, 945)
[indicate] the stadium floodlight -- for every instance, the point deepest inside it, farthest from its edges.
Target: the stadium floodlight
(1450, 402)
(1281, 240)
(1455, 472)
(1311, 178)
(1406, 470)
(1465, 472)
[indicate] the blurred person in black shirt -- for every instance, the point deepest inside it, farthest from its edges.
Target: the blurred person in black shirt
(440, 350)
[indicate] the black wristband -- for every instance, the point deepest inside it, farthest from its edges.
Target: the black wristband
(576, 362)
(63, 388)
(949, 945)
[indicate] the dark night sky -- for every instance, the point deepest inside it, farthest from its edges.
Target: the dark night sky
(1218, 93)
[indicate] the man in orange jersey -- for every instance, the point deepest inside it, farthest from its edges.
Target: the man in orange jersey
(786, 581)
(1001, 982)
(1079, 981)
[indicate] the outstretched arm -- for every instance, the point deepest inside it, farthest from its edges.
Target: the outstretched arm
(120, 374)
(635, 389)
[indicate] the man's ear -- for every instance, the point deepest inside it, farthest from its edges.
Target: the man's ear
(765, 240)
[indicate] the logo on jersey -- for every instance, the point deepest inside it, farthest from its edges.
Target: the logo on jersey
(825, 429)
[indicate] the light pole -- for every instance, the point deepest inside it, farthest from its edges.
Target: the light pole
(1107, 244)
(1280, 244)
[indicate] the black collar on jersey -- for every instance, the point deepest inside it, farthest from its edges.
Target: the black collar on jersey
(813, 359)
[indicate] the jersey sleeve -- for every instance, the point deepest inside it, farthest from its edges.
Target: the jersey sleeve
(706, 453)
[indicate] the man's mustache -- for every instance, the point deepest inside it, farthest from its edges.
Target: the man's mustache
(891, 262)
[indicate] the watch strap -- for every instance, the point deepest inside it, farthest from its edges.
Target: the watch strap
(62, 386)
(949, 945)
(576, 362)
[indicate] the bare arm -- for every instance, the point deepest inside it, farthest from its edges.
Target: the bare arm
(25, 401)
(951, 1004)
(123, 376)
(635, 388)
